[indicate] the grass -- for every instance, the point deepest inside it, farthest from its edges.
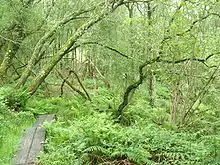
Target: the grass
(12, 128)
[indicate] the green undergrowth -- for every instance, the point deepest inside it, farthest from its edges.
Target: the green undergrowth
(86, 133)
(12, 123)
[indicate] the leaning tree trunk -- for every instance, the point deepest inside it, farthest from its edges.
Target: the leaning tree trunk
(17, 37)
(36, 55)
(11, 50)
(69, 44)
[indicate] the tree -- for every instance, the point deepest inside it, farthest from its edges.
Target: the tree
(17, 27)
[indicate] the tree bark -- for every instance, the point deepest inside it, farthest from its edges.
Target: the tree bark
(152, 89)
(11, 50)
(17, 35)
(130, 91)
(175, 112)
(152, 77)
(69, 44)
(36, 55)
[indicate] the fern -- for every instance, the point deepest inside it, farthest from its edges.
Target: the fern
(89, 136)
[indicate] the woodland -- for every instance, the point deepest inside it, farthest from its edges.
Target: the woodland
(132, 82)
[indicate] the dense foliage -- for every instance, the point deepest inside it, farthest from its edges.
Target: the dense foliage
(131, 81)
(12, 124)
(86, 133)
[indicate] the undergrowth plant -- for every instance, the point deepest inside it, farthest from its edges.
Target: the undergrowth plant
(86, 132)
(15, 99)
(13, 121)
(12, 126)
(83, 134)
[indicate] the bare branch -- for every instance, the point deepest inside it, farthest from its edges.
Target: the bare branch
(81, 84)
(107, 47)
(70, 85)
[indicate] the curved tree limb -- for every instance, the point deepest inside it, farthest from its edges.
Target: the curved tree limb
(82, 86)
(61, 88)
(131, 88)
(36, 56)
(70, 85)
(63, 83)
(69, 44)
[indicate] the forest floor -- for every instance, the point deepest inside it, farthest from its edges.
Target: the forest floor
(86, 132)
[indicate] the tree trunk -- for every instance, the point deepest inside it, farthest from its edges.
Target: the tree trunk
(10, 53)
(36, 55)
(175, 104)
(64, 50)
(17, 37)
(152, 77)
(6, 61)
(152, 89)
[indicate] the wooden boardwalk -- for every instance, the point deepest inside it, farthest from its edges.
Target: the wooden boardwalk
(32, 142)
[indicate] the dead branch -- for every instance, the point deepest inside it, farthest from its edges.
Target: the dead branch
(70, 85)
(103, 77)
(82, 86)
(102, 45)
(192, 108)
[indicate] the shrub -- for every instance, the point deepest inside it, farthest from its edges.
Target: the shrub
(15, 99)
(86, 136)
(12, 126)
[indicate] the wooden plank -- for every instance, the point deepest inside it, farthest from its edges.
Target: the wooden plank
(50, 117)
(37, 145)
(40, 120)
(25, 146)
(32, 142)
(44, 118)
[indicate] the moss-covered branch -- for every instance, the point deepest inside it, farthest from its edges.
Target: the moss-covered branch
(69, 44)
(131, 88)
(65, 80)
(37, 55)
